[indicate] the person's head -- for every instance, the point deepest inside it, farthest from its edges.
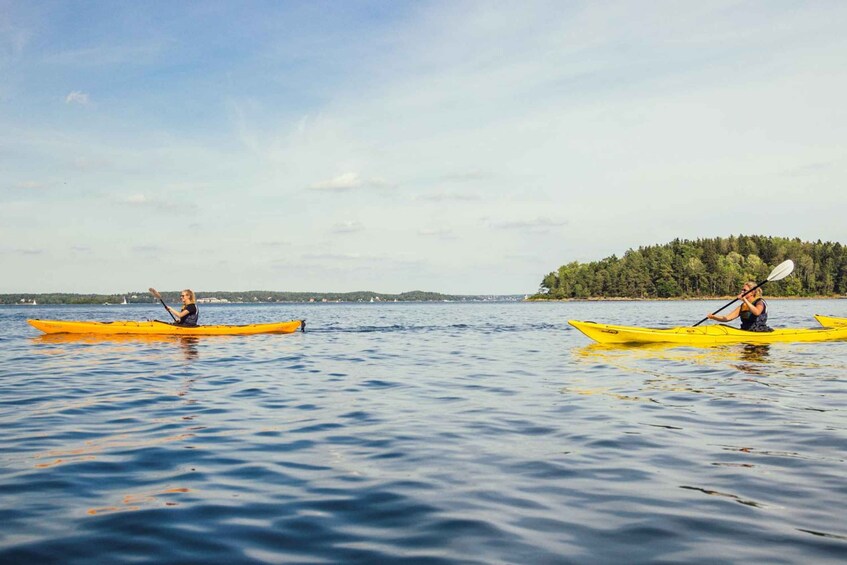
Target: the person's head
(756, 293)
(187, 296)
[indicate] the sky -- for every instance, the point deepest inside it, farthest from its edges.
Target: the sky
(459, 147)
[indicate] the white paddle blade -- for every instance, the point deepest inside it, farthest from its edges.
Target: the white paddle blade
(781, 271)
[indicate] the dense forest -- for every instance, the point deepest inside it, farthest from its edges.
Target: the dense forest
(704, 268)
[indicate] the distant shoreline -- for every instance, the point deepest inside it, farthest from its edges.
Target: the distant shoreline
(462, 300)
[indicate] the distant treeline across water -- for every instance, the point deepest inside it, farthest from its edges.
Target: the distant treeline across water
(243, 297)
(704, 267)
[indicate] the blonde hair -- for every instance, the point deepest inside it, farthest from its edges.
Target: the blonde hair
(755, 294)
(191, 294)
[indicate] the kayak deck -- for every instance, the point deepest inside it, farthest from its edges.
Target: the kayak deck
(156, 327)
(703, 335)
(831, 321)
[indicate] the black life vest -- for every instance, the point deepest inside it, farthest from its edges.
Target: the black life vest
(191, 318)
(753, 323)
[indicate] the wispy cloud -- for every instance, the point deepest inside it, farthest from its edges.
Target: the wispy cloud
(141, 200)
(538, 224)
(76, 97)
(30, 185)
(347, 227)
(148, 249)
(444, 196)
(810, 168)
(13, 35)
(110, 54)
(350, 181)
(136, 200)
(335, 257)
(27, 251)
(362, 260)
(467, 176)
(442, 233)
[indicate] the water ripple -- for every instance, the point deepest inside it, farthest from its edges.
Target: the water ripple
(430, 433)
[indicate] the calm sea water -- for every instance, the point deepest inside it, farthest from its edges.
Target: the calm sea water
(421, 433)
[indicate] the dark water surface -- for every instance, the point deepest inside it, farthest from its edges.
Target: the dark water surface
(425, 433)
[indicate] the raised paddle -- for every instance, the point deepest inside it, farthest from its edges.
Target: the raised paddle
(780, 272)
(155, 293)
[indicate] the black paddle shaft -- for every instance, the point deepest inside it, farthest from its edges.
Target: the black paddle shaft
(169, 310)
(158, 295)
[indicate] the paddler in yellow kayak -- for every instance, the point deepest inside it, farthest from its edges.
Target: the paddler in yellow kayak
(753, 310)
(189, 314)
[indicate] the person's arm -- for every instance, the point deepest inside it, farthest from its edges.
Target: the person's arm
(179, 314)
(728, 318)
(755, 309)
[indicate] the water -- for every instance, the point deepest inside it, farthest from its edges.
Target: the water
(421, 433)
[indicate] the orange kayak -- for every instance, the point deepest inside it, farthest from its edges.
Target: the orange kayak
(155, 327)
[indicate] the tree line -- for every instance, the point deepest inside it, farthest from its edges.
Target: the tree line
(704, 268)
(237, 297)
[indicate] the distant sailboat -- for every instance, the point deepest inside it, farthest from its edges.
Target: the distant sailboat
(124, 302)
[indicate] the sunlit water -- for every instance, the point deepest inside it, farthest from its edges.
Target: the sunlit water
(474, 433)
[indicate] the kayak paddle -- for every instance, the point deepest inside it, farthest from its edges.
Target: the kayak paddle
(155, 293)
(779, 272)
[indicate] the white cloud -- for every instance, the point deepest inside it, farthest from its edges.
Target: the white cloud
(136, 199)
(76, 97)
(348, 227)
(350, 181)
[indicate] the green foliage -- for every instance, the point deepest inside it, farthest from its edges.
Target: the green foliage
(704, 267)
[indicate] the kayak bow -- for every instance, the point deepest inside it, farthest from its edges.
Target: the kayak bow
(155, 327)
(703, 335)
(831, 321)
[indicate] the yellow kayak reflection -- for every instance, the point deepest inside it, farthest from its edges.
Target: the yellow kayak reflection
(675, 351)
(186, 344)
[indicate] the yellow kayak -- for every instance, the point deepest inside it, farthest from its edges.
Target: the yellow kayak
(703, 335)
(831, 321)
(155, 327)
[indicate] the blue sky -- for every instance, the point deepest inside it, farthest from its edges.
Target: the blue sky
(461, 147)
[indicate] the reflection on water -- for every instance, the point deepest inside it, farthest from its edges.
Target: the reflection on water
(756, 353)
(667, 366)
(187, 345)
(700, 355)
(753, 354)
(491, 432)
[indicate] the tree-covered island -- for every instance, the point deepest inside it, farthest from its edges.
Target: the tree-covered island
(703, 268)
